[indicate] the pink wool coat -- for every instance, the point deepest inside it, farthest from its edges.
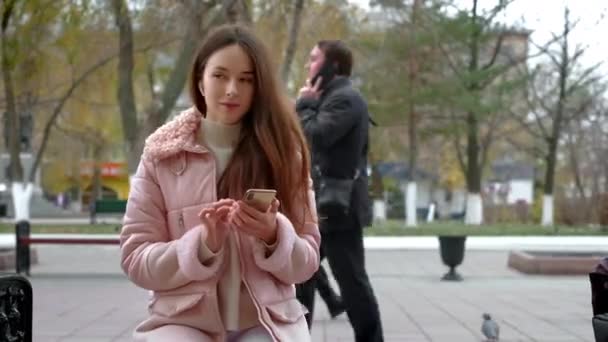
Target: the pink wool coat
(161, 236)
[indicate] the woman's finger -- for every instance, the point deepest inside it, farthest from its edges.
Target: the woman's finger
(207, 210)
(251, 215)
(250, 210)
(223, 202)
(237, 220)
(223, 211)
(274, 206)
(206, 213)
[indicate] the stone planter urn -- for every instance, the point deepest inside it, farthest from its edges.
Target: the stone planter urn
(451, 249)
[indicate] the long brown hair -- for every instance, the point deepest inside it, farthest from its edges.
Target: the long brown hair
(272, 151)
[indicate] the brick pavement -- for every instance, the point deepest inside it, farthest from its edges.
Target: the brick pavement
(90, 300)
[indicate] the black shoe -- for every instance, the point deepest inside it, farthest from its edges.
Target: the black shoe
(336, 308)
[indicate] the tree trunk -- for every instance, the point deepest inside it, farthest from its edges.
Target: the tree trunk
(606, 173)
(377, 192)
(292, 43)
(606, 179)
(96, 190)
(553, 139)
(575, 166)
(125, 92)
(12, 117)
(550, 159)
(21, 192)
(474, 205)
(411, 195)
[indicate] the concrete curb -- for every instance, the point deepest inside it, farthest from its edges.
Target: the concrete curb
(492, 243)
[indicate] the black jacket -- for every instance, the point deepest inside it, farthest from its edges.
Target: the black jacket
(337, 128)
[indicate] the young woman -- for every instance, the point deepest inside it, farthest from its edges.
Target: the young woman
(220, 269)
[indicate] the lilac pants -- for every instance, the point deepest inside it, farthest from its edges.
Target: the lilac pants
(187, 334)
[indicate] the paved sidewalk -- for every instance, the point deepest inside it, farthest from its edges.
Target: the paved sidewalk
(81, 295)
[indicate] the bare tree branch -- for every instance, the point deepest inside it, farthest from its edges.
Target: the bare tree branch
(57, 110)
(446, 54)
(575, 165)
(502, 5)
(544, 50)
(453, 66)
(87, 135)
(584, 80)
(533, 150)
(538, 100)
(527, 126)
(459, 153)
(578, 52)
(151, 80)
(497, 72)
(488, 138)
(497, 49)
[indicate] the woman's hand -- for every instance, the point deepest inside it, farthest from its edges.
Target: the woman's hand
(215, 218)
(251, 221)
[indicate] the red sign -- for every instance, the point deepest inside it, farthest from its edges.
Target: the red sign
(107, 169)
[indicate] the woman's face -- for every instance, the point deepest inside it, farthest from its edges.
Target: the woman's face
(228, 84)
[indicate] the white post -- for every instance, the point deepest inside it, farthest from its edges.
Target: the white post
(22, 194)
(379, 210)
(547, 219)
(474, 209)
(431, 214)
(410, 204)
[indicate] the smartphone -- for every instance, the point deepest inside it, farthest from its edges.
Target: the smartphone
(327, 73)
(260, 198)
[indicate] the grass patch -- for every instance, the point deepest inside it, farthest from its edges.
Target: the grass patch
(390, 228)
(67, 229)
(397, 228)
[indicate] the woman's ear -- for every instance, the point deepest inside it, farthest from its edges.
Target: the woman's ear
(200, 87)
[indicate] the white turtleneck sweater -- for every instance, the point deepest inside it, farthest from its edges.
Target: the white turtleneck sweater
(236, 306)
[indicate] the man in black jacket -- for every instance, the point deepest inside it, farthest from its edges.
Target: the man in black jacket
(335, 120)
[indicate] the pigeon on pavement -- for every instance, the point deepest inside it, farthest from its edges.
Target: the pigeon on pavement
(489, 328)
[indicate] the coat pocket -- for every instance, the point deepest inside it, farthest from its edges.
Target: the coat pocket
(183, 219)
(288, 311)
(173, 305)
